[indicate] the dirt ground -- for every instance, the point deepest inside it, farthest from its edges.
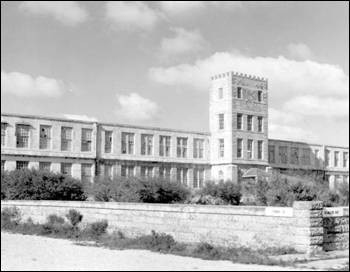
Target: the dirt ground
(33, 253)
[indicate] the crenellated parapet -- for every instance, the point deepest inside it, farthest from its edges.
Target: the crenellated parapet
(241, 75)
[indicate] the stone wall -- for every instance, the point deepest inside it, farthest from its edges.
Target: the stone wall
(336, 229)
(301, 227)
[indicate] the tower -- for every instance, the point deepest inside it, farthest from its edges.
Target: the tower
(238, 124)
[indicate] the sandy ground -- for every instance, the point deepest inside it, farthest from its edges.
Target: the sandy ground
(32, 253)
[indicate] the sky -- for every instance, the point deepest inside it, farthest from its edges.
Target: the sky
(149, 63)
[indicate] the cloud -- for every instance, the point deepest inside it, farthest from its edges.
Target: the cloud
(66, 12)
(300, 51)
(291, 133)
(278, 117)
(288, 78)
(315, 106)
(176, 8)
(80, 117)
(23, 85)
(134, 107)
(132, 15)
(184, 42)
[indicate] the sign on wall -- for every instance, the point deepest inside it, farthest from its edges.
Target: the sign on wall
(279, 212)
(333, 212)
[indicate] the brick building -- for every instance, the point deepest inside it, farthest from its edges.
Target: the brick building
(238, 141)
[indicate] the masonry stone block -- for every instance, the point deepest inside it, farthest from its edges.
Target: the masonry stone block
(308, 205)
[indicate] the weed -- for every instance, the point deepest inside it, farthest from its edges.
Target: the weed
(74, 217)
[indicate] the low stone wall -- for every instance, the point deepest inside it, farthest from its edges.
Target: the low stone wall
(336, 228)
(300, 227)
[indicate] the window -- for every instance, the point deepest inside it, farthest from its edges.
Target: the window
(22, 134)
(3, 165)
(182, 147)
(108, 171)
(45, 166)
(20, 165)
(250, 149)
(294, 156)
(239, 148)
(221, 175)
(86, 172)
(165, 172)
(221, 148)
(66, 138)
(146, 171)
(250, 123)
(198, 149)
(239, 92)
(260, 150)
(328, 158)
(164, 146)
(306, 156)
(272, 153)
(66, 169)
(182, 176)
(128, 171)
(337, 181)
(259, 96)
(221, 93)
(128, 143)
(198, 179)
(108, 141)
(146, 144)
(3, 134)
(86, 140)
(345, 159)
(336, 158)
(221, 121)
(260, 124)
(317, 157)
(239, 121)
(45, 137)
(283, 150)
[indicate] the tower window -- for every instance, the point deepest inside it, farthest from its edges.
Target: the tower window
(221, 93)
(250, 149)
(260, 124)
(221, 121)
(221, 148)
(260, 96)
(239, 92)
(239, 121)
(260, 150)
(250, 123)
(239, 148)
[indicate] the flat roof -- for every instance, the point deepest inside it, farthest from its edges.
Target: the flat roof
(103, 123)
(305, 143)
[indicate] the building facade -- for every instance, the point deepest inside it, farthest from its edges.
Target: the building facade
(238, 141)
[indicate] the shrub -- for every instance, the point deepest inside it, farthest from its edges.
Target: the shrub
(228, 191)
(10, 218)
(205, 200)
(40, 185)
(96, 229)
(207, 251)
(150, 190)
(157, 242)
(74, 217)
(53, 219)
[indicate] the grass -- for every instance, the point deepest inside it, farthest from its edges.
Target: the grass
(95, 234)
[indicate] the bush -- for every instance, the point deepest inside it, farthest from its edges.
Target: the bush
(96, 229)
(157, 242)
(53, 219)
(74, 217)
(10, 218)
(228, 191)
(40, 185)
(151, 190)
(207, 251)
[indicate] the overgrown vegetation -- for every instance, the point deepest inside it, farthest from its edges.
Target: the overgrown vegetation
(228, 191)
(283, 189)
(57, 227)
(32, 184)
(138, 190)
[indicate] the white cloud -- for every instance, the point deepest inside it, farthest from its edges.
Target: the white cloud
(184, 42)
(132, 15)
(135, 107)
(300, 51)
(66, 12)
(278, 117)
(315, 106)
(23, 85)
(181, 7)
(291, 133)
(287, 78)
(80, 117)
